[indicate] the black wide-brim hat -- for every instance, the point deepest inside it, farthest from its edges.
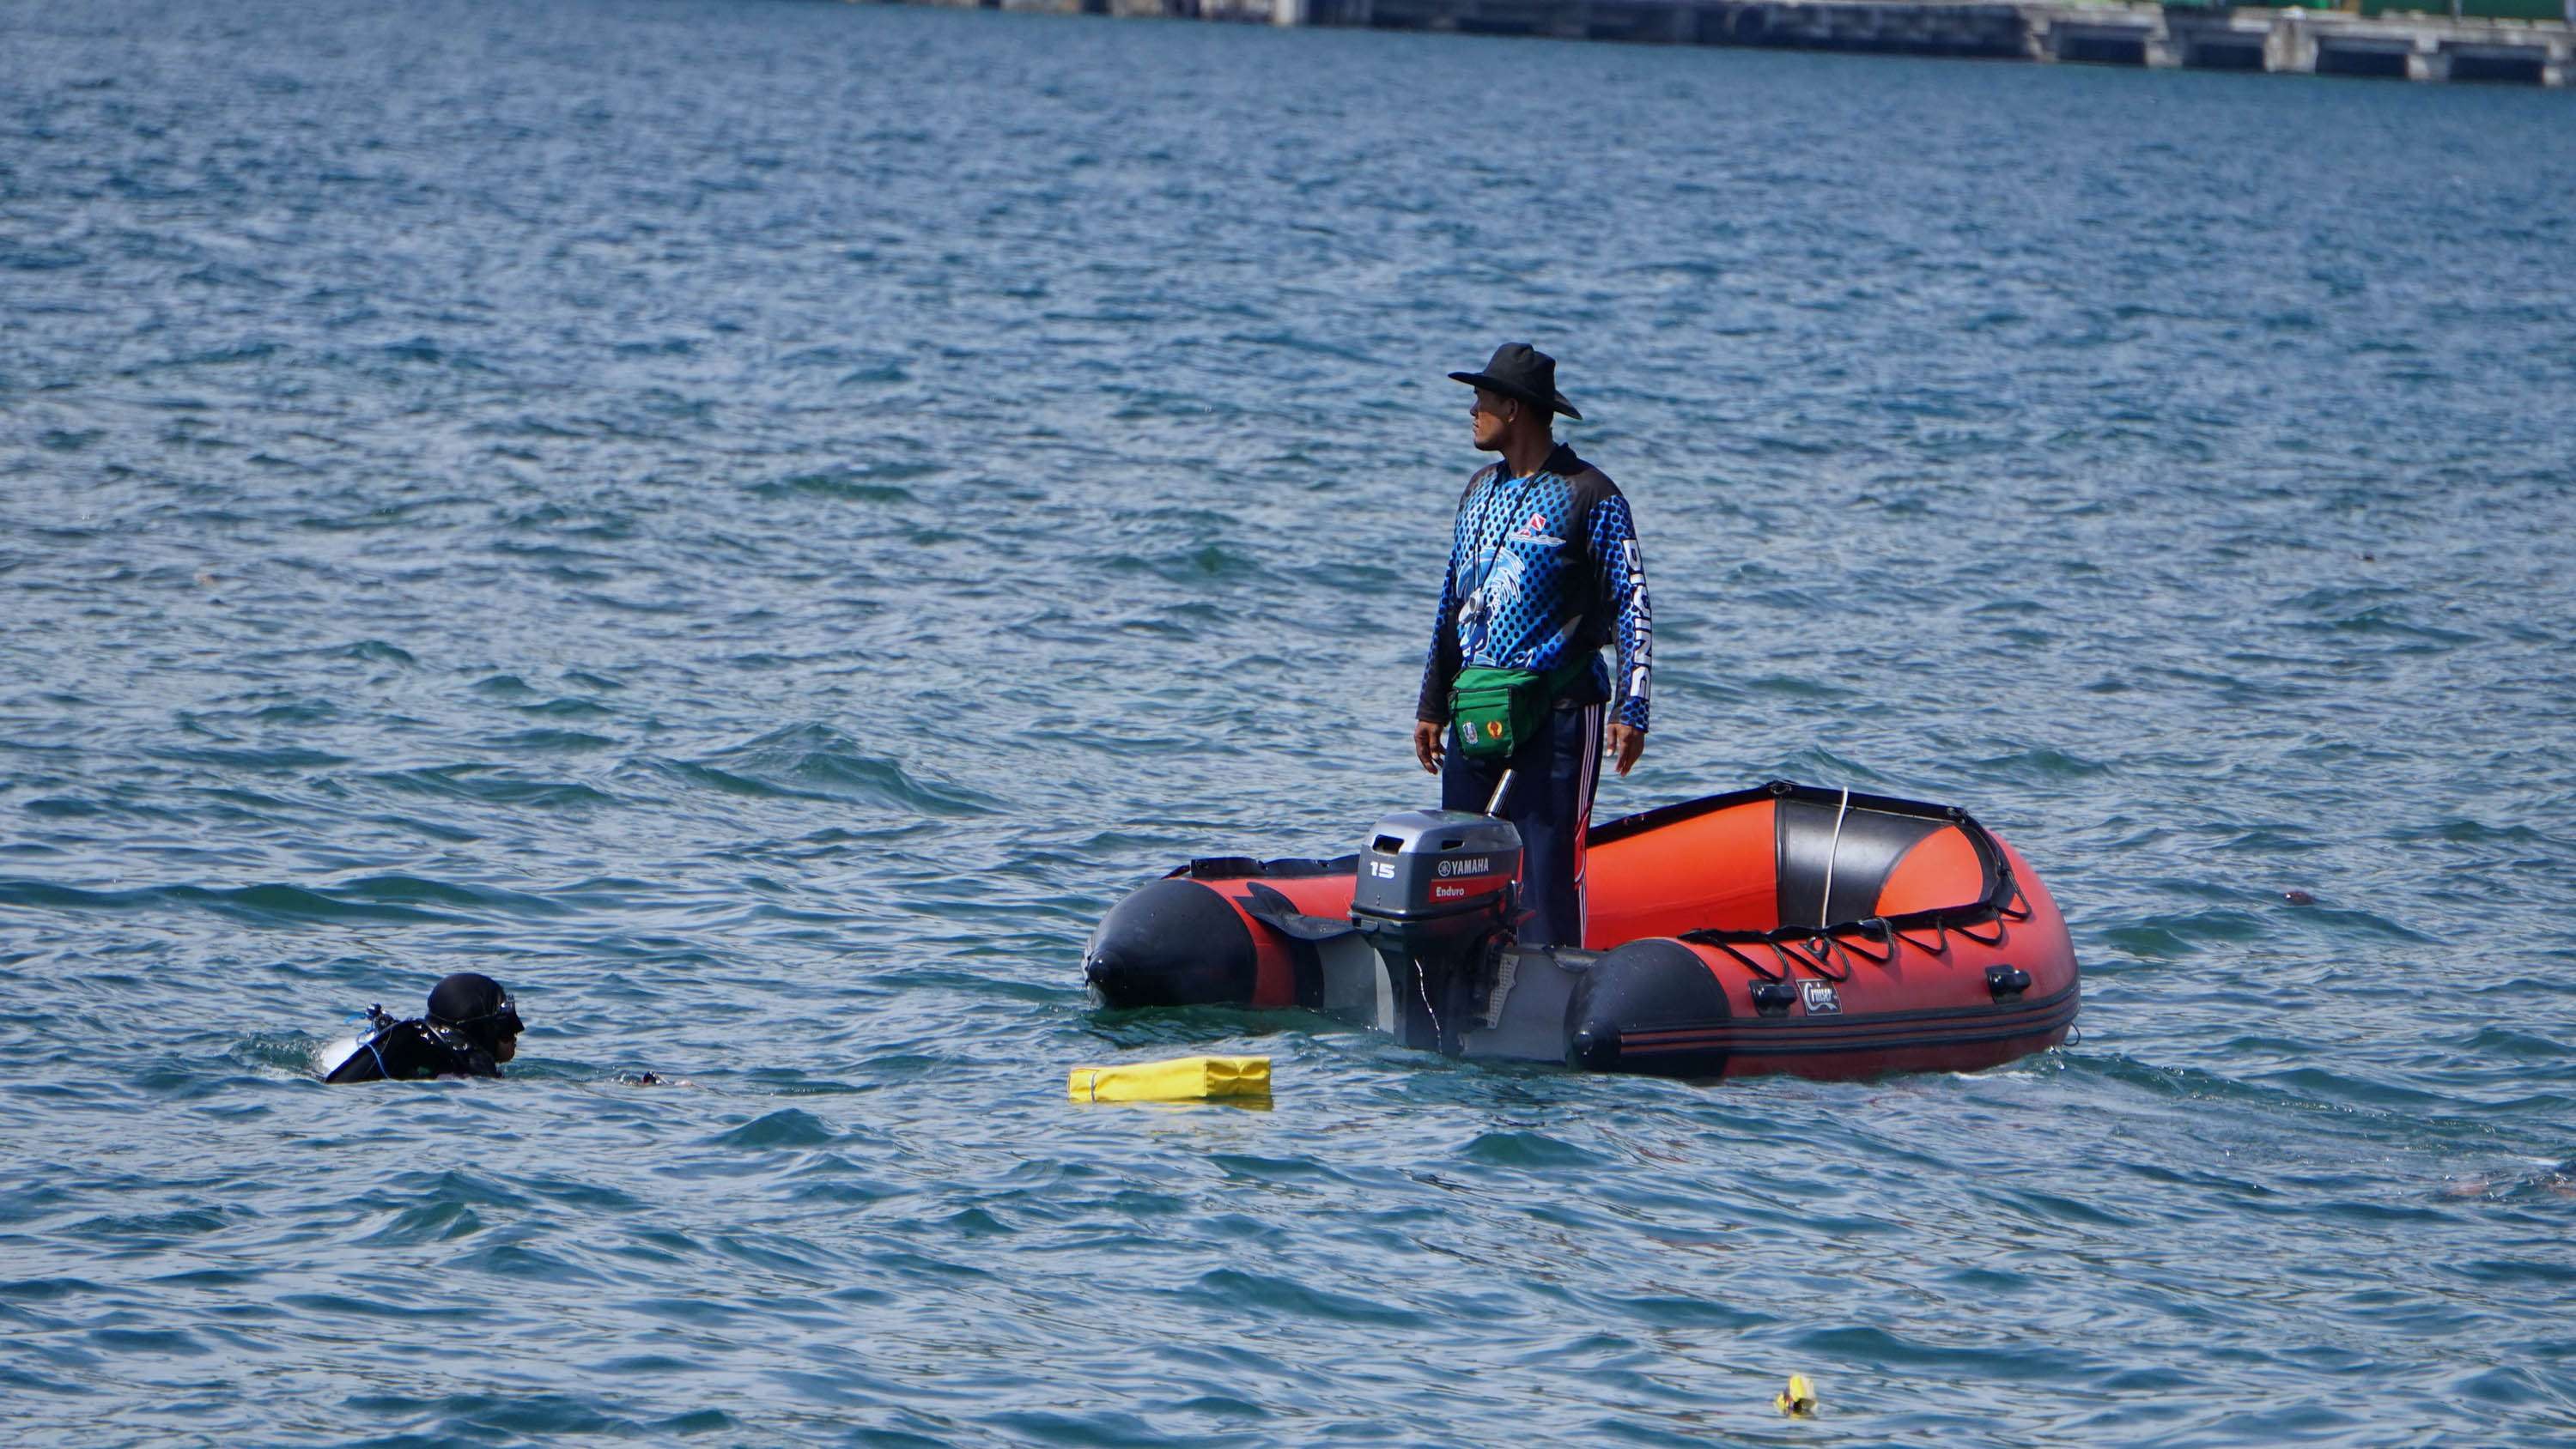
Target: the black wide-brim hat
(1522, 371)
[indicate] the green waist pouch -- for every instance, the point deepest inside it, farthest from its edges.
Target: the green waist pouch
(1492, 711)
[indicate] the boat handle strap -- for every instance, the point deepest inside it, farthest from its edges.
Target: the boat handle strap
(1996, 939)
(1777, 972)
(2018, 897)
(1820, 948)
(1877, 926)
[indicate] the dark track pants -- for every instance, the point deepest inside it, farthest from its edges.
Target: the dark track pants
(1553, 777)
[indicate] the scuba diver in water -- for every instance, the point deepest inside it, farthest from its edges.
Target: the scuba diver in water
(472, 1028)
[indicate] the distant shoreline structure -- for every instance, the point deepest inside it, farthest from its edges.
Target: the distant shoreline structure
(2524, 45)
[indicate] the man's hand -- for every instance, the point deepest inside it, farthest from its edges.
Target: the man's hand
(1627, 742)
(1429, 743)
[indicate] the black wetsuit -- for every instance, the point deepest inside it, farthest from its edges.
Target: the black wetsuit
(415, 1051)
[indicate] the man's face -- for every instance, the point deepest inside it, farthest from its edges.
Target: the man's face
(1491, 410)
(506, 1048)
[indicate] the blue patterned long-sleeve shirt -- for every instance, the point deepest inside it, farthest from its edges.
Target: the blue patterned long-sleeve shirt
(1544, 570)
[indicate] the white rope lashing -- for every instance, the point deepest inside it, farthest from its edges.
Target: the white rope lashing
(1824, 908)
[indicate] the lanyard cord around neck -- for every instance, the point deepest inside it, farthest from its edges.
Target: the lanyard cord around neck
(1512, 515)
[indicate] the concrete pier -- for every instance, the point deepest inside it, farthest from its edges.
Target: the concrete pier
(2305, 42)
(2411, 47)
(2419, 47)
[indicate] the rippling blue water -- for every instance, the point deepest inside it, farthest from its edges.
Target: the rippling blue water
(754, 523)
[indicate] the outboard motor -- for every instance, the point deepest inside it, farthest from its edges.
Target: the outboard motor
(1437, 897)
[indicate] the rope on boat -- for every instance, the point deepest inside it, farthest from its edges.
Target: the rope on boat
(1824, 907)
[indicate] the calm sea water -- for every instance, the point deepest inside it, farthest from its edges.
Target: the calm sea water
(754, 523)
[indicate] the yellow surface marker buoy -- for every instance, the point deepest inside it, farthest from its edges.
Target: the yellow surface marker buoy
(1800, 1398)
(1186, 1079)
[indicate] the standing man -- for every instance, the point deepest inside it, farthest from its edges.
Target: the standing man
(1543, 571)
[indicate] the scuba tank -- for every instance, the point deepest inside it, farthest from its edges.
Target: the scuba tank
(355, 1057)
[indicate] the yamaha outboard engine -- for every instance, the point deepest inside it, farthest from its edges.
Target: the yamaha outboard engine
(1437, 898)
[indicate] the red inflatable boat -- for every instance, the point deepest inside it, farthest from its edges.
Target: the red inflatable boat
(1781, 929)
